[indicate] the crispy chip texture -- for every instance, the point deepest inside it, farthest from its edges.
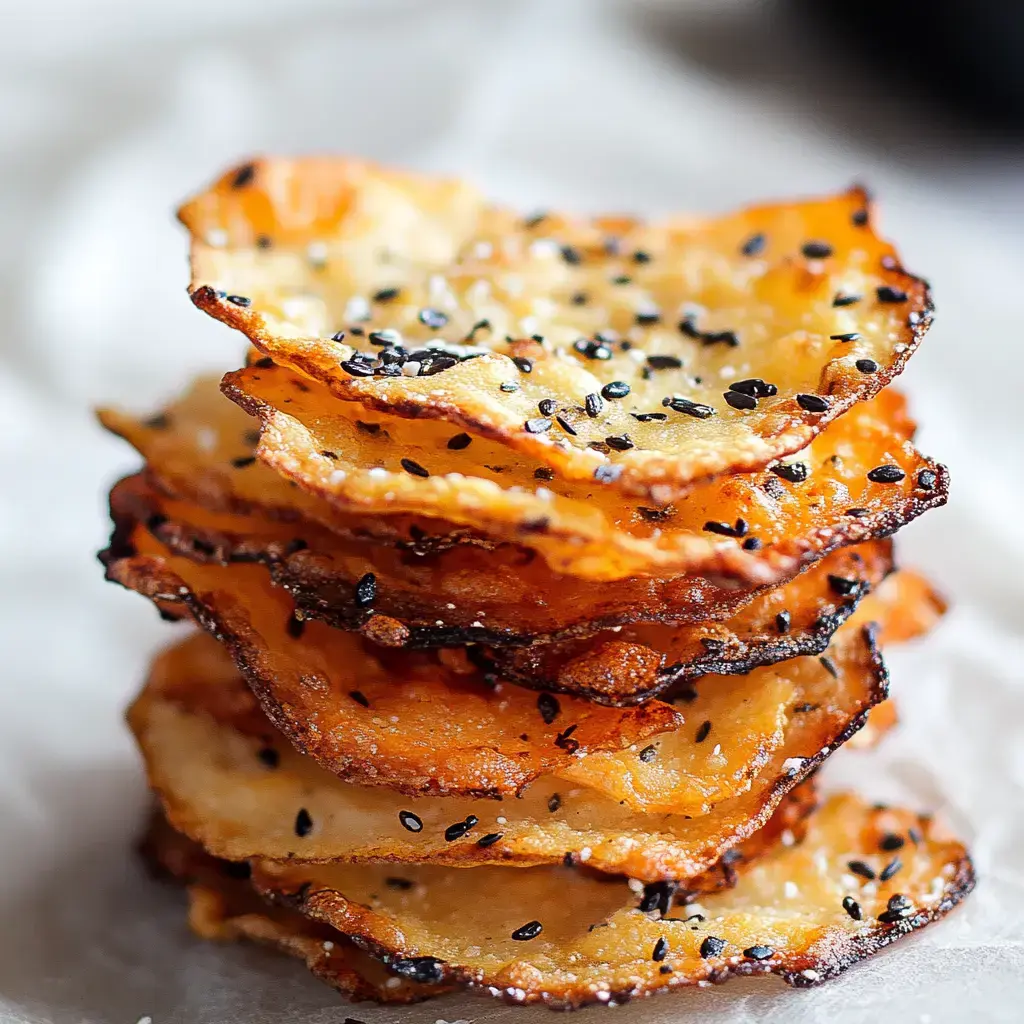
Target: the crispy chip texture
(567, 939)
(223, 907)
(206, 748)
(485, 315)
(755, 529)
(418, 724)
(463, 594)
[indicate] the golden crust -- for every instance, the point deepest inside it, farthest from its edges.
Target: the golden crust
(202, 735)
(590, 943)
(224, 907)
(391, 465)
(288, 256)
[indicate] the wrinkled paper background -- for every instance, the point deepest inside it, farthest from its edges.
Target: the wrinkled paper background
(112, 110)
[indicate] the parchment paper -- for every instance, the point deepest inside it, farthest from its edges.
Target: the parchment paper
(112, 110)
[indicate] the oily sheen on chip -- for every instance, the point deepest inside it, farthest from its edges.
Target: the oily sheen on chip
(529, 570)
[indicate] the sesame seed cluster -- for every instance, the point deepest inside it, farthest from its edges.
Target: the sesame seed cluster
(537, 556)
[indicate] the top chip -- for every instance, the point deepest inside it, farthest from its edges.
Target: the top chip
(648, 355)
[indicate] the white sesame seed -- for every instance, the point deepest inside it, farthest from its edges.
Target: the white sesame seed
(357, 308)
(411, 368)
(501, 819)
(316, 253)
(217, 238)
(792, 765)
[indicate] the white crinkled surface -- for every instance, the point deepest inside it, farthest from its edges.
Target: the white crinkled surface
(112, 110)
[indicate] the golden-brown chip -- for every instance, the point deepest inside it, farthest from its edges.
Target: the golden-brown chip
(464, 594)
(631, 664)
(230, 781)
(861, 478)
(421, 723)
(756, 328)
(224, 907)
(804, 912)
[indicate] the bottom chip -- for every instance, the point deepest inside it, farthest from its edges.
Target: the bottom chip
(223, 907)
(860, 878)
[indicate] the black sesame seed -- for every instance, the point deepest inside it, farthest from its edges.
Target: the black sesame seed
(401, 884)
(607, 474)
(243, 176)
(662, 362)
(242, 461)
(579, 299)
(783, 621)
(866, 365)
(843, 586)
(295, 626)
(411, 822)
(658, 897)
(359, 697)
(648, 417)
(239, 300)
(926, 480)
(268, 757)
(565, 425)
(528, 931)
(793, 472)
(386, 294)
(753, 544)
(852, 907)
(432, 318)
(549, 708)
(459, 441)
(890, 869)
(754, 245)
(759, 953)
(859, 218)
(648, 754)
(812, 403)
(846, 300)
(616, 389)
(554, 802)
(303, 823)
(665, 969)
(886, 293)
(755, 387)
(891, 841)
(660, 950)
(565, 742)
(535, 219)
(684, 405)
(886, 475)
(897, 909)
(702, 732)
(508, 386)
(525, 365)
(571, 255)
(816, 250)
(414, 468)
(490, 839)
(712, 946)
(619, 442)
(161, 421)
(647, 317)
(543, 473)
(426, 970)
(850, 336)
(538, 425)
(366, 590)
(858, 867)
(725, 530)
(546, 406)
(593, 403)
(459, 829)
(738, 400)
(641, 257)
(829, 666)
(357, 368)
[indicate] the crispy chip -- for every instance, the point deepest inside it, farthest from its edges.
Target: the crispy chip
(461, 595)
(418, 725)
(546, 935)
(859, 480)
(487, 317)
(224, 907)
(633, 664)
(205, 745)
